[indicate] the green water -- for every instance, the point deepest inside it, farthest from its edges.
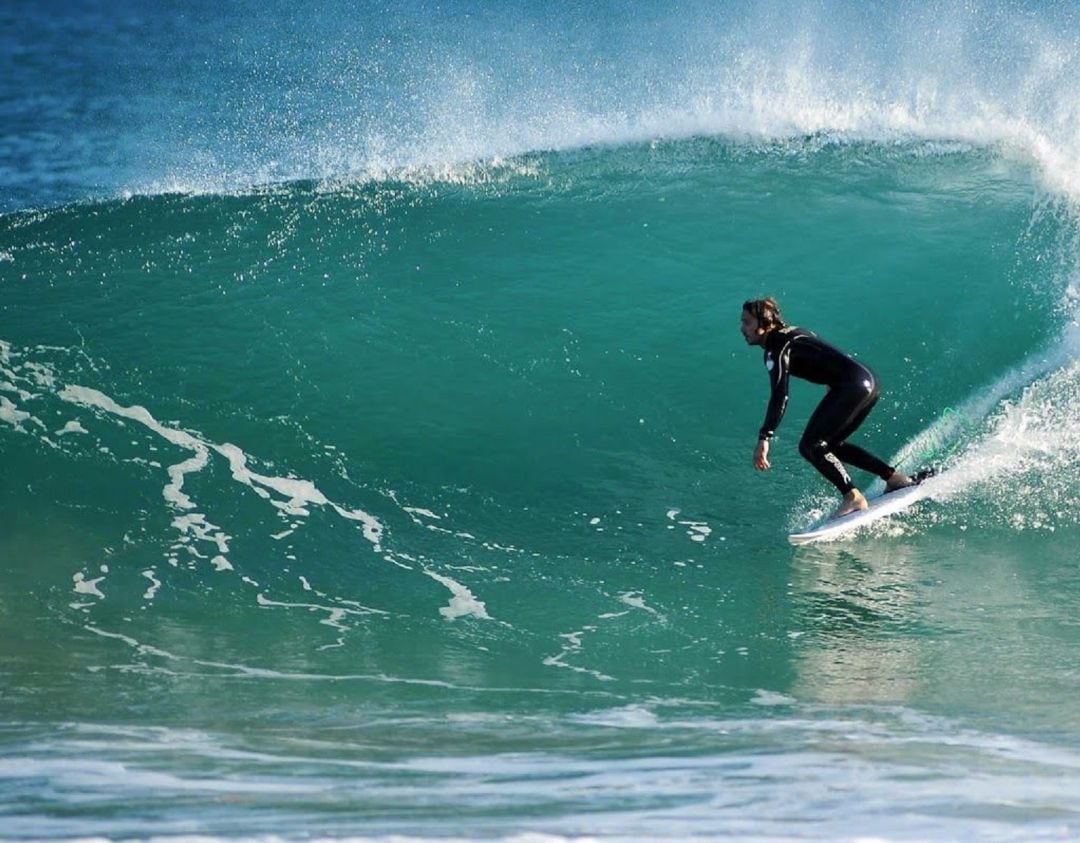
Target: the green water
(425, 506)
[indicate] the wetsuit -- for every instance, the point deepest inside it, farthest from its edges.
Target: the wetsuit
(852, 393)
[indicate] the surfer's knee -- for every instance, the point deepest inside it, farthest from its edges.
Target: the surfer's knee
(813, 450)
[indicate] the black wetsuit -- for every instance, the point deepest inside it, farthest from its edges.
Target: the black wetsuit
(852, 393)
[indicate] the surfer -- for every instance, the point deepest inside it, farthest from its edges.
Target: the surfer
(852, 393)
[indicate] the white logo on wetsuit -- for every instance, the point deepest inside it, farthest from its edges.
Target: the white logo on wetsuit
(839, 466)
(769, 363)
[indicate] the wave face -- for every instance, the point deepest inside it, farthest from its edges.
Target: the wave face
(376, 428)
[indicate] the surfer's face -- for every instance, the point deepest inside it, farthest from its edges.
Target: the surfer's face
(751, 330)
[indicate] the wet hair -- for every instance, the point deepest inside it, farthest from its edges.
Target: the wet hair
(766, 311)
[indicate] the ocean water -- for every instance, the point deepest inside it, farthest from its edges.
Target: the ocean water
(375, 427)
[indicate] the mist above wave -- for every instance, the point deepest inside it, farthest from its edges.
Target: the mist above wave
(414, 87)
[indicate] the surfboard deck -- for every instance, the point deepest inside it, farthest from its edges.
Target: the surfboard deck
(881, 506)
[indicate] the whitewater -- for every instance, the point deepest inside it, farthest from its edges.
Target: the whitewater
(376, 429)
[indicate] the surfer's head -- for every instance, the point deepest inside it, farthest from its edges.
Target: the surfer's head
(759, 316)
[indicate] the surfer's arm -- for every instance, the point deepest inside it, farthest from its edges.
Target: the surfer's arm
(778, 399)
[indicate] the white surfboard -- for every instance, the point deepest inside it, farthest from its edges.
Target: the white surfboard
(881, 506)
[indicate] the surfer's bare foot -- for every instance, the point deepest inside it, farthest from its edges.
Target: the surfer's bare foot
(854, 501)
(897, 481)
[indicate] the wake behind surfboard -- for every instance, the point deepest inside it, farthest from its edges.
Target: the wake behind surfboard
(881, 506)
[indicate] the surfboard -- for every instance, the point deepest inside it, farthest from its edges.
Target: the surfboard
(881, 506)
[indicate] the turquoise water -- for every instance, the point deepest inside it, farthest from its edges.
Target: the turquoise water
(376, 428)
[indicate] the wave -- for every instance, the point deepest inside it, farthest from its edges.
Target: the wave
(429, 331)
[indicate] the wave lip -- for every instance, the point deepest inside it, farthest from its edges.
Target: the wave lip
(417, 88)
(755, 73)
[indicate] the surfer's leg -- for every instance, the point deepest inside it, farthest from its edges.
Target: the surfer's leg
(816, 447)
(856, 456)
(840, 412)
(863, 459)
(864, 396)
(860, 457)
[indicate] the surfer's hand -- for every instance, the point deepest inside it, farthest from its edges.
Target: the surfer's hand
(761, 455)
